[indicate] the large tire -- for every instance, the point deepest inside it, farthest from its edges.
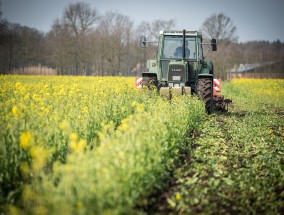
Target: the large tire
(204, 90)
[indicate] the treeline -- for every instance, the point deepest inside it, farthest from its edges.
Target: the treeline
(81, 42)
(84, 42)
(267, 55)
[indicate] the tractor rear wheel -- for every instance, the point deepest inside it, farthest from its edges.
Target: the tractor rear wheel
(204, 88)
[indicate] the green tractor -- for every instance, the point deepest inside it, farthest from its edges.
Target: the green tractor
(180, 68)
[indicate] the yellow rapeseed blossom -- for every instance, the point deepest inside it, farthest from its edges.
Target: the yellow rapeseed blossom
(18, 84)
(85, 110)
(78, 147)
(140, 108)
(124, 125)
(64, 125)
(74, 137)
(178, 196)
(26, 139)
(15, 111)
(134, 104)
(79, 205)
(270, 87)
(39, 157)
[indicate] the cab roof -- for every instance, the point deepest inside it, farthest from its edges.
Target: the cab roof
(180, 32)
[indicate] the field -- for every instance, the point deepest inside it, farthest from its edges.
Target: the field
(236, 161)
(98, 145)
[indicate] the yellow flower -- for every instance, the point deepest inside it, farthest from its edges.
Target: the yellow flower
(74, 136)
(78, 147)
(64, 125)
(80, 205)
(18, 84)
(140, 108)
(40, 157)
(134, 104)
(15, 110)
(85, 110)
(26, 140)
(124, 125)
(178, 196)
(82, 145)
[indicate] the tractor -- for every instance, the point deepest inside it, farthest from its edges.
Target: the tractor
(180, 67)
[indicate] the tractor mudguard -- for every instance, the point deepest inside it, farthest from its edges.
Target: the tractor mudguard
(207, 67)
(205, 75)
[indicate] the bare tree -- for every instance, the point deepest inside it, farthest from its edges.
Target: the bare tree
(60, 43)
(114, 32)
(1, 13)
(151, 31)
(3, 22)
(220, 27)
(79, 18)
(121, 33)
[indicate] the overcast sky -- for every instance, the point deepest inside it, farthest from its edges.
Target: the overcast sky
(255, 19)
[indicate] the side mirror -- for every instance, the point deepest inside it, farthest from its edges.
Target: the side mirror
(214, 45)
(142, 41)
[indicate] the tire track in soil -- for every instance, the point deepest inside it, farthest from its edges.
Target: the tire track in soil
(192, 173)
(159, 202)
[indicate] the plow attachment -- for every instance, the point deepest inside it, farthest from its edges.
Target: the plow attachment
(219, 101)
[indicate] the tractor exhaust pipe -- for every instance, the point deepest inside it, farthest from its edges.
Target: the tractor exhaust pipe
(183, 47)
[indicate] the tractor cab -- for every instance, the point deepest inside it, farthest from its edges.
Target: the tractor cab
(179, 60)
